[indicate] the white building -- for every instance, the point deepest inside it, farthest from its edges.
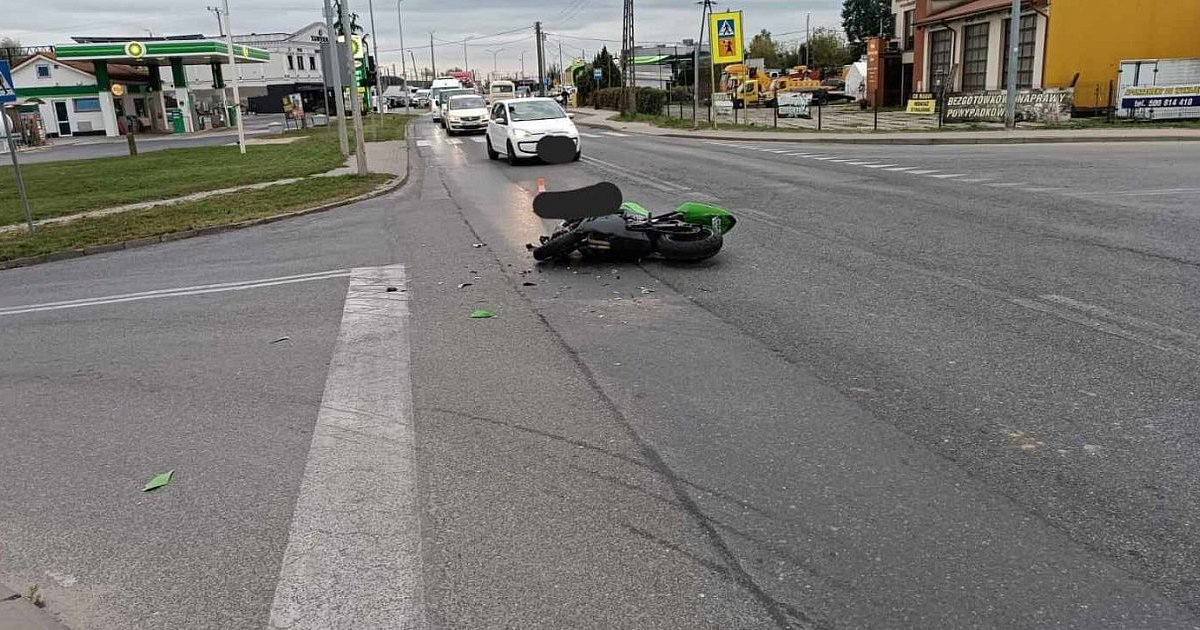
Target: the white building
(296, 65)
(67, 97)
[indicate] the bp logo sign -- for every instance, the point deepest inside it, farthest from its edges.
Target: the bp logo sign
(135, 50)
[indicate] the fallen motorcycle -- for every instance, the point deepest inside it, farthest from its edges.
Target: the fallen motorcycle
(693, 231)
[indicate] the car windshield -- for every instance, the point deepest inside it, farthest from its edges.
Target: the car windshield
(536, 110)
(496, 89)
(467, 102)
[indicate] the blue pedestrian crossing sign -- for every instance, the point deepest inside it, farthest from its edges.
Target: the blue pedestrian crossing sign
(726, 31)
(8, 91)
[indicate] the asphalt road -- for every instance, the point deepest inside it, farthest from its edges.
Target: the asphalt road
(953, 394)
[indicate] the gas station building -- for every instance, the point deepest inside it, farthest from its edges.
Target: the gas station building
(107, 85)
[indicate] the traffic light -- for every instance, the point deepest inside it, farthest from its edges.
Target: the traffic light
(372, 74)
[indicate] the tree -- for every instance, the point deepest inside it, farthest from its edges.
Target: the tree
(611, 76)
(863, 19)
(762, 46)
(829, 50)
(9, 48)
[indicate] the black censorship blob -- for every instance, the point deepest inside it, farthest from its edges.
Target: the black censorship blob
(596, 200)
(556, 149)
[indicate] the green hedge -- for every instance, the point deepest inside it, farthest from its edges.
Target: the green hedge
(649, 100)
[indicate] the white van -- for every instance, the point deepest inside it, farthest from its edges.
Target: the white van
(501, 91)
(440, 84)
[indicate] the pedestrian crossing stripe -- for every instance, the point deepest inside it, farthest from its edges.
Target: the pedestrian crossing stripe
(478, 140)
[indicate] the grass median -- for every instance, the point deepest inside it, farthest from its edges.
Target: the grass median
(70, 187)
(217, 210)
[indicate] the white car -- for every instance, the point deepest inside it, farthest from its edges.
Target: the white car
(465, 112)
(516, 126)
(439, 116)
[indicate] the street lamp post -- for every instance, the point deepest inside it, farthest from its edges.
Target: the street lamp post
(237, 93)
(494, 53)
(403, 61)
(523, 63)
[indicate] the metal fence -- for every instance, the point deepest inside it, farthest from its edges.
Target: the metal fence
(826, 116)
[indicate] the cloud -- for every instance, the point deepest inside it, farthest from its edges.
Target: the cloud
(578, 25)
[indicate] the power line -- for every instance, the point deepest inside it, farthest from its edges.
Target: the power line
(588, 39)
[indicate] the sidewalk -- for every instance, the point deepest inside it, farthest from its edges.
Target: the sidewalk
(589, 117)
(388, 158)
(18, 613)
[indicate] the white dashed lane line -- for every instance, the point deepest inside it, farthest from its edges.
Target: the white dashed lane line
(616, 134)
(888, 167)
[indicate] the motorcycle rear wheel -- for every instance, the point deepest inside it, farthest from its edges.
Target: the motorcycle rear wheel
(558, 246)
(690, 247)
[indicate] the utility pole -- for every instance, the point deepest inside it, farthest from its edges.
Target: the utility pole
(630, 105)
(432, 62)
(360, 151)
(403, 61)
(375, 41)
(233, 71)
(705, 11)
(1014, 46)
(332, 63)
(523, 63)
(220, 27)
(466, 66)
(808, 55)
(537, 29)
(562, 72)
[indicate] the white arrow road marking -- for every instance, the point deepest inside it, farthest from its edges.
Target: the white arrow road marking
(353, 558)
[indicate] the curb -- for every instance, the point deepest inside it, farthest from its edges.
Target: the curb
(946, 140)
(18, 613)
(379, 191)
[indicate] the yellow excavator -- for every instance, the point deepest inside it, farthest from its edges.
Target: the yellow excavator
(753, 86)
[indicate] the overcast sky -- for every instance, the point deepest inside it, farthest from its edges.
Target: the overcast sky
(580, 25)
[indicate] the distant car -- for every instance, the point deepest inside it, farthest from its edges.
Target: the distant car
(421, 98)
(501, 90)
(465, 112)
(444, 97)
(516, 125)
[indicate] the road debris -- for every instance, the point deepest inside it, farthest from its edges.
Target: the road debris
(158, 481)
(281, 340)
(464, 285)
(481, 314)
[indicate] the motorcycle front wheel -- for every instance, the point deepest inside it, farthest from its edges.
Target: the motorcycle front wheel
(698, 245)
(558, 246)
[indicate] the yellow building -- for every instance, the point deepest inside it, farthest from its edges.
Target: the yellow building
(1092, 37)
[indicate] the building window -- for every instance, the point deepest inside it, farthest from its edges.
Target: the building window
(291, 63)
(910, 17)
(43, 71)
(975, 54)
(312, 62)
(1027, 38)
(941, 51)
(84, 105)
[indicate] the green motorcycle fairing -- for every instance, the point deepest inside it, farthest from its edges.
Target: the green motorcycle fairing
(693, 212)
(703, 214)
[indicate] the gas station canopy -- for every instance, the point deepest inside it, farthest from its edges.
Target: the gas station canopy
(191, 52)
